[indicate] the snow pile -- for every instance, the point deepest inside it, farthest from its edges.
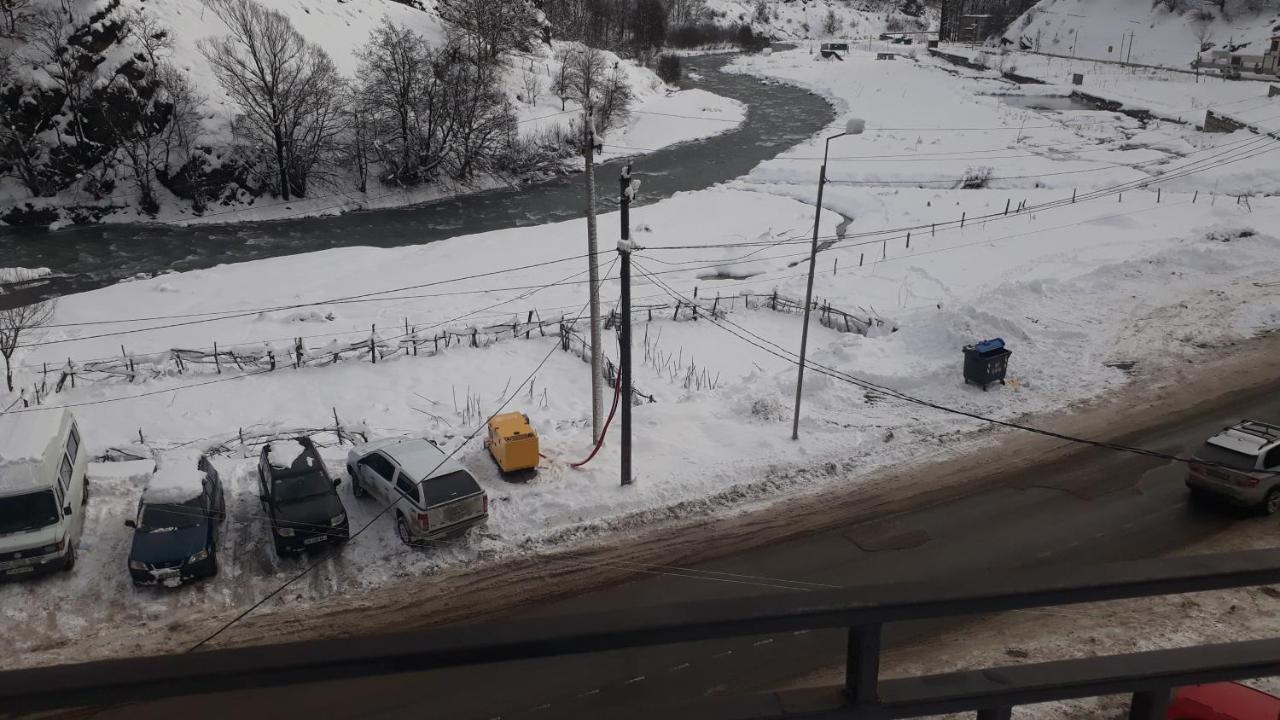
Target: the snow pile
(284, 453)
(1100, 29)
(19, 274)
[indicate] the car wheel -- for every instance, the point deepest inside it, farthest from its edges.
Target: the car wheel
(70, 563)
(402, 530)
(1271, 505)
(1198, 496)
(213, 563)
(356, 488)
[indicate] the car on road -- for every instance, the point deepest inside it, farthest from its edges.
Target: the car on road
(1240, 464)
(175, 532)
(1222, 701)
(44, 492)
(299, 497)
(429, 495)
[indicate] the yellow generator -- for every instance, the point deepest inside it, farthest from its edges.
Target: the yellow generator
(512, 442)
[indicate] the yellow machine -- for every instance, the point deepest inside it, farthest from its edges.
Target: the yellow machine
(513, 442)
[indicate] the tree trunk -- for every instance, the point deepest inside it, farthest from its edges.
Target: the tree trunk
(284, 172)
(8, 374)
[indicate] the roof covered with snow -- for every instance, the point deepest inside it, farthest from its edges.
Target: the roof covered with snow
(175, 482)
(420, 459)
(25, 440)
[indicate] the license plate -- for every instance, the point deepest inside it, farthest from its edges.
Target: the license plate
(19, 571)
(172, 582)
(314, 540)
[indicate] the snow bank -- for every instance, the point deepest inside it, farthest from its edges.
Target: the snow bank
(19, 274)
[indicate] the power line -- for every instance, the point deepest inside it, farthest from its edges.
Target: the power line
(305, 571)
(778, 351)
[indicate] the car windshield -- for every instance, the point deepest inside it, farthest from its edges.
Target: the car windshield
(303, 485)
(30, 511)
(1222, 456)
(171, 516)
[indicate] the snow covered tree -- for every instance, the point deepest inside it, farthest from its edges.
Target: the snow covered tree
(593, 82)
(832, 25)
(286, 87)
(398, 83)
(18, 322)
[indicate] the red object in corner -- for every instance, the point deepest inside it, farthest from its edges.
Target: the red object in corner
(1223, 701)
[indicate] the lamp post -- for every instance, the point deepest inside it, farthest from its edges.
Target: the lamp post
(855, 126)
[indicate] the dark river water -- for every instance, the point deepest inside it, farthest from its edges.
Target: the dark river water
(779, 116)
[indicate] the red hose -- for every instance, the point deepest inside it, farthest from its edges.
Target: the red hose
(617, 390)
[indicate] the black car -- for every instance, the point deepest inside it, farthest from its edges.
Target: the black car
(300, 497)
(175, 536)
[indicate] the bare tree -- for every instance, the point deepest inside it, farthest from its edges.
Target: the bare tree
(832, 25)
(1202, 31)
(491, 27)
(66, 62)
(532, 84)
(14, 15)
(180, 135)
(397, 81)
(615, 98)
(587, 67)
(17, 322)
(561, 82)
(357, 141)
(285, 86)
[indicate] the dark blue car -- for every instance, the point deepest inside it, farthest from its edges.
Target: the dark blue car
(175, 536)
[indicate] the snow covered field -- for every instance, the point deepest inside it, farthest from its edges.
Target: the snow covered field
(1078, 290)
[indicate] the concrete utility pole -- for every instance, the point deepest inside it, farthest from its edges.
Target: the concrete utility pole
(854, 126)
(625, 246)
(593, 277)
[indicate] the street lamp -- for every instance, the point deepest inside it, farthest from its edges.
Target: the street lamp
(854, 126)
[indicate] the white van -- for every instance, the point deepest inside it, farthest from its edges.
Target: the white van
(43, 492)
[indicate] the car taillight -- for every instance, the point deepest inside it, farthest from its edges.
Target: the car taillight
(424, 520)
(486, 504)
(1247, 480)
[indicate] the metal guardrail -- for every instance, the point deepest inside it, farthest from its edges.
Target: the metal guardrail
(993, 692)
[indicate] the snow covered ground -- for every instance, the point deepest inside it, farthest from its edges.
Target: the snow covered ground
(1100, 29)
(785, 20)
(1123, 275)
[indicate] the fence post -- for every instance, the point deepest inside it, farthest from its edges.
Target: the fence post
(141, 440)
(676, 314)
(716, 303)
(1073, 195)
(933, 229)
(216, 362)
(884, 249)
(475, 342)
(271, 355)
(835, 266)
(71, 369)
(860, 257)
(862, 664)
(1195, 197)
(1007, 203)
(908, 240)
(773, 301)
(962, 217)
(1158, 195)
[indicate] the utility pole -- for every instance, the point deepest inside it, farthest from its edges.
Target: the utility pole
(854, 126)
(627, 191)
(593, 277)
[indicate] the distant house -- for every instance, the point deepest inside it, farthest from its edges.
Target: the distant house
(1271, 61)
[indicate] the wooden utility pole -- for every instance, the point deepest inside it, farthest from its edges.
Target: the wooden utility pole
(593, 278)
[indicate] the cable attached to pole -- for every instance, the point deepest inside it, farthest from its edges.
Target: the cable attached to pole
(617, 392)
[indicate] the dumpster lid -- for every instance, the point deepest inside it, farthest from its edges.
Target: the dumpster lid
(992, 345)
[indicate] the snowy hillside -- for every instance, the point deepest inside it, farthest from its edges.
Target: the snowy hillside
(1100, 29)
(210, 166)
(786, 20)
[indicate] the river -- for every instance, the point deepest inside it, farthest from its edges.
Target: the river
(83, 258)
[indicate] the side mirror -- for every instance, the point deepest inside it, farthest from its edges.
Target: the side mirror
(66, 511)
(337, 482)
(131, 524)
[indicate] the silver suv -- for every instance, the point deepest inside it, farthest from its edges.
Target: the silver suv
(428, 494)
(1240, 464)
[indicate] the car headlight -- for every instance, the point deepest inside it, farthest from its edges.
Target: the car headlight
(284, 532)
(52, 548)
(338, 519)
(137, 565)
(199, 556)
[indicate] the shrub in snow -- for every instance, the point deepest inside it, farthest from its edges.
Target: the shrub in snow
(975, 178)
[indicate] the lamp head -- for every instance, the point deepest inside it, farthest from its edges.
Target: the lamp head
(855, 126)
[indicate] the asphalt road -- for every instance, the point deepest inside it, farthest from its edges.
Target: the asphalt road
(1096, 506)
